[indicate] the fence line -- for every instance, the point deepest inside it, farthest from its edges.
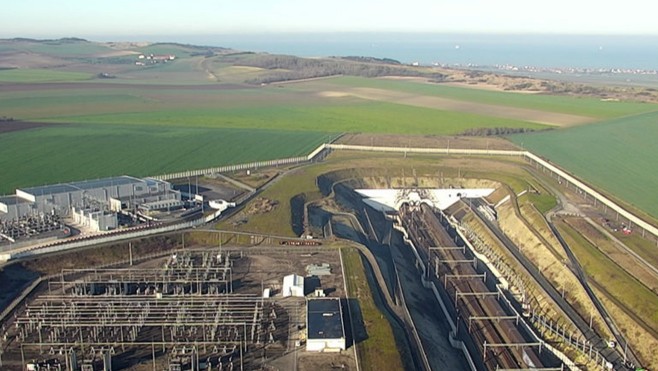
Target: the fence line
(50, 248)
(237, 167)
(578, 342)
(245, 166)
(444, 151)
(331, 146)
(632, 218)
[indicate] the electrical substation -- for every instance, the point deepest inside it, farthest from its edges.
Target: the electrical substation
(193, 310)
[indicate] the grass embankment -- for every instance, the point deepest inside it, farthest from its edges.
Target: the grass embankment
(643, 247)
(633, 306)
(530, 214)
(549, 262)
(101, 255)
(278, 221)
(544, 202)
(618, 283)
(602, 238)
(538, 195)
(303, 182)
(378, 351)
(613, 156)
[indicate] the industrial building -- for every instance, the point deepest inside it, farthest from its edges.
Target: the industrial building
(324, 324)
(12, 207)
(97, 220)
(129, 191)
(93, 203)
(293, 285)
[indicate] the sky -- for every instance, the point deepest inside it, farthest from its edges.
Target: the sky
(122, 18)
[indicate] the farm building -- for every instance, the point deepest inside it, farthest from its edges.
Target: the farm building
(293, 285)
(324, 324)
(109, 193)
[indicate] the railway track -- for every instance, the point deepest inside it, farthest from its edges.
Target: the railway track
(491, 326)
(600, 344)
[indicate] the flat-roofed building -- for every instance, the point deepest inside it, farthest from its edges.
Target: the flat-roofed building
(324, 325)
(164, 205)
(13, 207)
(96, 220)
(105, 194)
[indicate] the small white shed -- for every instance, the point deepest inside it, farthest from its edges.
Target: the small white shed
(293, 285)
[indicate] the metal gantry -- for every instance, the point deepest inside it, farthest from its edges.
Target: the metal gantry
(492, 327)
(186, 309)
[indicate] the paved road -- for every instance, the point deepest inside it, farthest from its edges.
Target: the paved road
(648, 266)
(525, 154)
(576, 268)
(599, 343)
(396, 310)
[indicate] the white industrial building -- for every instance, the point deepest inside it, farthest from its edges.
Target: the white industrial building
(109, 194)
(324, 325)
(388, 200)
(90, 203)
(95, 220)
(293, 285)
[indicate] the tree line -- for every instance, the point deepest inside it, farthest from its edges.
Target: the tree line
(287, 68)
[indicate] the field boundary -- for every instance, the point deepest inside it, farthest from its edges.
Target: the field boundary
(527, 155)
(237, 167)
(323, 149)
(561, 174)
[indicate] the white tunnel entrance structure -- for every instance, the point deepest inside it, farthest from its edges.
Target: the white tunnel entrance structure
(388, 200)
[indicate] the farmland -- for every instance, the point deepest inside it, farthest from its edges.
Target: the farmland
(269, 107)
(616, 156)
(57, 153)
(62, 47)
(202, 111)
(582, 106)
(36, 75)
(199, 111)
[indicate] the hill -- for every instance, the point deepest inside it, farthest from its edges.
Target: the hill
(149, 108)
(210, 64)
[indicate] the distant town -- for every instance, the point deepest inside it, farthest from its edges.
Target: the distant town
(554, 70)
(147, 59)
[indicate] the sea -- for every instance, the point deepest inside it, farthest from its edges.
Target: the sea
(629, 52)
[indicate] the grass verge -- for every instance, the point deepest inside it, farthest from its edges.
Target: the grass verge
(378, 351)
(636, 297)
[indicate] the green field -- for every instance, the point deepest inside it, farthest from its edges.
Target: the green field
(270, 108)
(179, 116)
(619, 283)
(590, 107)
(36, 75)
(61, 48)
(137, 130)
(379, 350)
(61, 153)
(617, 155)
(369, 117)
